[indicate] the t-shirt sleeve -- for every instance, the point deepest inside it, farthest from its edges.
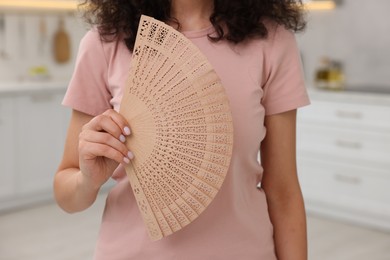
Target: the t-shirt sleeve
(88, 89)
(284, 88)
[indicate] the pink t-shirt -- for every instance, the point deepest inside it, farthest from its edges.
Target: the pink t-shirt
(261, 77)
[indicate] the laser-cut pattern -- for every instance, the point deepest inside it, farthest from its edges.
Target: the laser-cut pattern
(182, 130)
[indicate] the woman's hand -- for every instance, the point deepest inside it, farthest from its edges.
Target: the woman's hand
(102, 147)
(93, 149)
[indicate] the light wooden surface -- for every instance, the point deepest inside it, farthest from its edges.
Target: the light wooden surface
(46, 233)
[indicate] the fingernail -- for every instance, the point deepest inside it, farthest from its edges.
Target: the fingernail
(126, 160)
(127, 130)
(130, 155)
(122, 138)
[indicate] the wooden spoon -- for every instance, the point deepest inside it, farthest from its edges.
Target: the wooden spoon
(61, 43)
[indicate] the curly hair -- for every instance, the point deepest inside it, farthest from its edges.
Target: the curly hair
(242, 18)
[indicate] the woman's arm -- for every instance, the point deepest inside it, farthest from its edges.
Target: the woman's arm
(94, 147)
(280, 183)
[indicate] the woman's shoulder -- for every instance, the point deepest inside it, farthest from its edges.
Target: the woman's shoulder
(91, 38)
(93, 35)
(278, 33)
(278, 38)
(91, 42)
(94, 42)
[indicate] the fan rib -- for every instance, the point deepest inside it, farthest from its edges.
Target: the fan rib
(187, 180)
(180, 148)
(166, 220)
(174, 216)
(164, 70)
(174, 189)
(190, 204)
(187, 165)
(145, 208)
(200, 120)
(223, 149)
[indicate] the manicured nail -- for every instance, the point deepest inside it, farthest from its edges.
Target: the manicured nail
(130, 155)
(126, 160)
(127, 130)
(122, 138)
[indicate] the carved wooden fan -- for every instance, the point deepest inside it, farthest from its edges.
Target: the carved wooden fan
(182, 131)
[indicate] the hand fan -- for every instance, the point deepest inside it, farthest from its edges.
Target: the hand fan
(182, 131)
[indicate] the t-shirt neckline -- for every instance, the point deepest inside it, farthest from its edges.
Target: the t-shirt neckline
(199, 33)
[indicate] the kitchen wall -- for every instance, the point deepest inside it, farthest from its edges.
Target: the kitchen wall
(26, 46)
(358, 34)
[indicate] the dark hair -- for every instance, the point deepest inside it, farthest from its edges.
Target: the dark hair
(242, 18)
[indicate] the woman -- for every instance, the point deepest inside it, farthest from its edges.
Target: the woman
(252, 48)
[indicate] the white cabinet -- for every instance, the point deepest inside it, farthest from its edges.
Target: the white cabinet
(343, 152)
(41, 123)
(7, 145)
(33, 127)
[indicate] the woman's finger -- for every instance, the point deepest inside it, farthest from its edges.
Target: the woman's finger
(104, 138)
(119, 120)
(102, 123)
(111, 122)
(93, 150)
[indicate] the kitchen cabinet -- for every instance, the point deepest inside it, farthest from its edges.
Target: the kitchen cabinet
(42, 123)
(7, 147)
(33, 128)
(343, 154)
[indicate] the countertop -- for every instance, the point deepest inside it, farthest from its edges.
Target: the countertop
(32, 86)
(353, 96)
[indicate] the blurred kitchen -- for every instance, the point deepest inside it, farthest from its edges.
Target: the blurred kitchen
(343, 137)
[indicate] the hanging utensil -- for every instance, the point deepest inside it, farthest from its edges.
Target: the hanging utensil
(3, 53)
(22, 36)
(61, 43)
(42, 37)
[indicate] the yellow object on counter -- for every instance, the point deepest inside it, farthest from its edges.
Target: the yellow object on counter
(329, 75)
(39, 73)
